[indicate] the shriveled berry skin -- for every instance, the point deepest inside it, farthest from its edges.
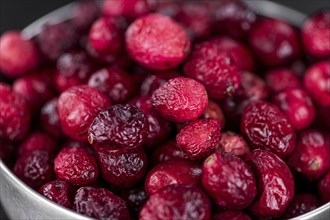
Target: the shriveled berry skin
(324, 188)
(35, 168)
(172, 172)
(214, 68)
(15, 116)
(281, 78)
(266, 127)
(316, 81)
(234, 144)
(316, 34)
(58, 191)
(230, 215)
(77, 107)
(128, 9)
(228, 180)
(177, 202)
(122, 168)
(115, 83)
(135, 198)
(297, 106)
(274, 42)
(157, 42)
(214, 111)
(311, 155)
(301, 204)
(167, 152)
(199, 138)
(275, 184)
(100, 203)
(76, 165)
(180, 99)
(122, 125)
(49, 118)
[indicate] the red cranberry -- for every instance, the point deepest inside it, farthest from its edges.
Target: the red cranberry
(73, 69)
(143, 39)
(317, 82)
(230, 215)
(35, 168)
(282, 78)
(180, 99)
(214, 111)
(49, 117)
(122, 168)
(214, 68)
(275, 184)
(76, 165)
(297, 106)
(316, 34)
(18, 55)
(36, 88)
(128, 9)
(77, 107)
(100, 204)
(122, 125)
(199, 138)
(172, 172)
(115, 83)
(84, 14)
(167, 152)
(177, 202)
(228, 180)
(300, 205)
(135, 198)
(234, 144)
(38, 141)
(15, 115)
(58, 191)
(324, 188)
(311, 155)
(274, 42)
(266, 127)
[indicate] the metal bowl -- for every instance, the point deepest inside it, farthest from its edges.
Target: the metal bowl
(22, 202)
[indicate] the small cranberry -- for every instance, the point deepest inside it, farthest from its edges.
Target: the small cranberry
(230, 215)
(214, 111)
(84, 13)
(282, 78)
(234, 144)
(129, 9)
(301, 204)
(49, 118)
(324, 188)
(167, 152)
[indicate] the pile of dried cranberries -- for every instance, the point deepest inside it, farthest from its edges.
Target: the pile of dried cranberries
(162, 110)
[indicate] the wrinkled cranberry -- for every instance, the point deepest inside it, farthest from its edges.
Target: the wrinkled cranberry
(49, 118)
(58, 191)
(100, 203)
(311, 155)
(214, 68)
(77, 107)
(230, 215)
(73, 68)
(282, 78)
(35, 168)
(199, 138)
(115, 83)
(317, 82)
(177, 202)
(234, 144)
(122, 168)
(76, 165)
(18, 55)
(37, 88)
(128, 9)
(135, 198)
(266, 127)
(180, 99)
(122, 125)
(275, 184)
(301, 204)
(15, 116)
(274, 42)
(316, 34)
(214, 111)
(172, 172)
(324, 188)
(297, 106)
(84, 14)
(228, 180)
(143, 39)
(167, 152)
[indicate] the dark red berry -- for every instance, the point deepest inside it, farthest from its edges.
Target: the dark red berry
(152, 82)
(324, 188)
(230, 215)
(234, 144)
(282, 78)
(128, 9)
(214, 111)
(252, 87)
(84, 13)
(301, 204)
(49, 118)
(167, 152)
(7, 152)
(135, 198)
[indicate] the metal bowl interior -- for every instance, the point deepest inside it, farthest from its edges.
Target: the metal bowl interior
(22, 202)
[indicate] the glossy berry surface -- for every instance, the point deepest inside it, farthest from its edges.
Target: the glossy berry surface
(280, 79)
(301, 204)
(324, 188)
(49, 118)
(230, 215)
(234, 144)
(180, 99)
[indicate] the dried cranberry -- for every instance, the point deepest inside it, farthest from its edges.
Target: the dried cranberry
(228, 180)
(50, 119)
(100, 203)
(282, 78)
(214, 111)
(15, 116)
(143, 39)
(58, 191)
(230, 215)
(84, 13)
(266, 127)
(122, 125)
(77, 107)
(128, 9)
(177, 202)
(311, 155)
(324, 188)
(172, 172)
(301, 204)
(234, 144)
(135, 198)
(167, 152)
(180, 99)
(275, 184)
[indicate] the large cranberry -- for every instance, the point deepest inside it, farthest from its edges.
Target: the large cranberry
(301, 204)
(128, 9)
(282, 78)
(49, 118)
(230, 215)
(177, 202)
(266, 127)
(324, 188)
(167, 152)
(234, 144)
